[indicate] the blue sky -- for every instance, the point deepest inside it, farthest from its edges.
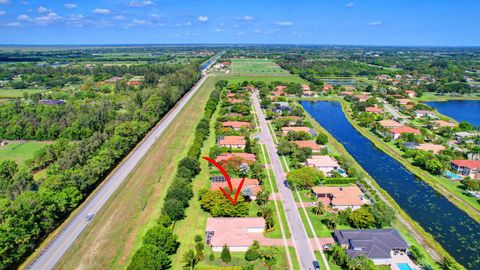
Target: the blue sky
(361, 22)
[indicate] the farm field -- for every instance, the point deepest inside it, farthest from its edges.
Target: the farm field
(256, 66)
(117, 231)
(20, 151)
(14, 93)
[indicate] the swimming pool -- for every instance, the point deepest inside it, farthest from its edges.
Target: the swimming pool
(452, 176)
(404, 266)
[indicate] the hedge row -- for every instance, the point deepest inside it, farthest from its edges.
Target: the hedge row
(177, 199)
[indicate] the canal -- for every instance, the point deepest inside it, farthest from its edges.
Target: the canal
(451, 227)
(460, 110)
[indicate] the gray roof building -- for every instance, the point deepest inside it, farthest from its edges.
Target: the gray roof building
(374, 244)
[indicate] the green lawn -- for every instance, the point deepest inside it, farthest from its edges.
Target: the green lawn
(266, 79)
(256, 66)
(20, 151)
(14, 93)
(432, 96)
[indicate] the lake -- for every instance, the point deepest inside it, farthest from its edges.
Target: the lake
(452, 228)
(460, 110)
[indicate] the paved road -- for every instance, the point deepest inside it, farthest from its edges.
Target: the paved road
(302, 244)
(391, 110)
(55, 250)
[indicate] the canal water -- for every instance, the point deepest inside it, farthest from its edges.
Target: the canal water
(460, 110)
(452, 228)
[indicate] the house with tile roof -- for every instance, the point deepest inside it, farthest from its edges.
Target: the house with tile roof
(340, 198)
(309, 144)
(237, 233)
(325, 164)
(466, 168)
(232, 141)
(395, 133)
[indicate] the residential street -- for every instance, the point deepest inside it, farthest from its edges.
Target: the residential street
(301, 242)
(58, 246)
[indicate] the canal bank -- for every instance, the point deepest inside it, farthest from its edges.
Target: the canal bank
(445, 222)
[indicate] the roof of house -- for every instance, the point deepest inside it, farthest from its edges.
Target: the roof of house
(305, 87)
(390, 123)
(404, 129)
(296, 129)
(404, 101)
(424, 112)
(235, 124)
(229, 140)
(233, 231)
(308, 144)
(347, 195)
(227, 156)
(322, 161)
(435, 148)
(374, 244)
(443, 123)
(234, 100)
(291, 117)
(364, 97)
(114, 79)
(51, 101)
(373, 109)
(346, 93)
(251, 183)
(281, 87)
(471, 164)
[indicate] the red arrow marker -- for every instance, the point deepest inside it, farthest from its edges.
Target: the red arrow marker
(229, 182)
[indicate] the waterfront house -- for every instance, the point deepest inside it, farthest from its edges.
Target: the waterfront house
(285, 130)
(430, 147)
(467, 168)
(441, 124)
(411, 93)
(279, 91)
(379, 245)
(280, 107)
(237, 233)
(293, 119)
(340, 198)
(463, 136)
(395, 133)
(232, 142)
(404, 101)
(424, 113)
(309, 144)
(308, 93)
(388, 124)
(327, 86)
(375, 110)
(325, 164)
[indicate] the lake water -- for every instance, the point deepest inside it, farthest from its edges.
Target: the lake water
(452, 228)
(460, 110)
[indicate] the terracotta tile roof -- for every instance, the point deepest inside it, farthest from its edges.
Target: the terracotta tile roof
(322, 161)
(435, 148)
(405, 129)
(233, 231)
(234, 100)
(253, 184)
(236, 124)
(347, 195)
(230, 140)
(346, 93)
(309, 144)
(291, 117)
(390, 123)
(373, 109)
(296, 129)
(305, 87)
(443, 123)
(471, 164)
(244, 156)
(404, 101)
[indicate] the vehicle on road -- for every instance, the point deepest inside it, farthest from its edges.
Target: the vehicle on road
(286, 184)
(316, 266)
(89, 216)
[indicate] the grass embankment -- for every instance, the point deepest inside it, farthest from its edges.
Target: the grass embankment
(452, 192)
(15, 93)
(432, 96)
(20, 151)
(117, 230)
(409, 229)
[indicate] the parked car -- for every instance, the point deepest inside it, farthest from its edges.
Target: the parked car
(89, 216)
(316, 265)
(285, 182)
(327, 246)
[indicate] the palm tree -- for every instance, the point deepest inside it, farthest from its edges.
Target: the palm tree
(319, 209)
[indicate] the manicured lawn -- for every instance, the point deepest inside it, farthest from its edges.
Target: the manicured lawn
(266, 79)
(14, 93)
(432, 96)
(20, 151)
(256, 66)
(117, 230)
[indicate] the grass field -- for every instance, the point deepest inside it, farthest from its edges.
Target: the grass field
(432, 96)
(117, 230)
(263, 78)
(14, 93)
(256, 66)
(20, 151)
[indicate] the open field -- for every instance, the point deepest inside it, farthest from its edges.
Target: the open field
(432, 96)
(14, 93)
(267, 79)
(256, 66)
(116, 232)
(20, 151)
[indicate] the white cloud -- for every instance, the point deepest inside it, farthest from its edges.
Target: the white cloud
(218, 30)
(375, 23)
(246, 18)
(42, 9)
(102, 11)
(2, 12)
(188, 24)
(119, 17)
(241, 33)
(70, 5)
(12, 24)
(203, 18)
(23, 17)
(284, 23)
(350, 4)
(140, 3)
(51, 17)
(4, 2)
